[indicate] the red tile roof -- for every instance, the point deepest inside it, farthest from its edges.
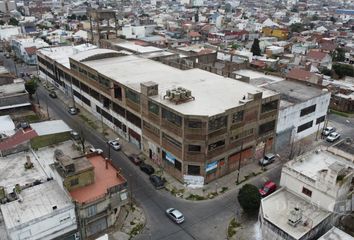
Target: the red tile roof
(316, 55)
(194, 34)
(299, 74)
(31, 50)
(104, 179)
(258, 63)
(19, 137)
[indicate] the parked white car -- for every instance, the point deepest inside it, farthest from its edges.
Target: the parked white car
(114, 144)
(334, 136)
(175, 215)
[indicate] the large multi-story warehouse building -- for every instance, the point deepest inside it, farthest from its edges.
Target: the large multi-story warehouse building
(189, 122)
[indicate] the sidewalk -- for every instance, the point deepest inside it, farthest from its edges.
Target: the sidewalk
(175, 187)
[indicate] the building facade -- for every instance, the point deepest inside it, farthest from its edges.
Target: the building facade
(207, 126)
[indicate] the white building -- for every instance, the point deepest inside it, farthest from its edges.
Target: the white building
(314, 193)
(43, 211)
(302, 109)
(302, 112)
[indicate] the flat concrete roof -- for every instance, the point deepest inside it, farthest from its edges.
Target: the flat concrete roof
(106, 176)
(213, 94)
(37, 202)
(310, 163)
(276, 208)
(294, 92)
(336, 234)
(50, 127)
(12, 171)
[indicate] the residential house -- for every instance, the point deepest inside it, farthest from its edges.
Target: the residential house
(314, 193)
(319, 59)
(302, 75)
(96, 187)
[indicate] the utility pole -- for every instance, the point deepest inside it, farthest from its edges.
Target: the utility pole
(109, 151)
(46, 101)
(239, 164)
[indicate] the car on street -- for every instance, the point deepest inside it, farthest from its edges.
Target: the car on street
(328, 130)
(134, 158)
(157, 181)
(268, 159)
(268, 188)
(175, 215)
(114, 144)
(75, 135)
(95, 150)
(146, 168)
(73, 110)
(53, 94)
(334, 136)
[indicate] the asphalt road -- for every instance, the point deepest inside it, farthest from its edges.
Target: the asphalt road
(204, 220)
(18, 68)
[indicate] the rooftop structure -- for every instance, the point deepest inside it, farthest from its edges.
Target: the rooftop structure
(7, 126)
(277, 209)
(292, 93)
(213, 94)
(50, 127)
(12, 171)
(106, 177)
(38, 212)
(344, 148)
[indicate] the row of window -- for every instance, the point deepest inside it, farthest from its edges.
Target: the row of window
(309, 124)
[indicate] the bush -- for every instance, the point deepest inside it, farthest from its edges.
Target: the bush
(249, 198)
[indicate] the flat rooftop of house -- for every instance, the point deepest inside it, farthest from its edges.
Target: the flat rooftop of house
(37, 202)
(292, 92)
(336, 234)
(105, 178)
(311, 163)
(213, 94)
(277, 206)
(12, 171)
(50, 127)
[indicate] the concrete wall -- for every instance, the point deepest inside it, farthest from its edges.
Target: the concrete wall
(53, 225)
(289, 117)
(296, 182)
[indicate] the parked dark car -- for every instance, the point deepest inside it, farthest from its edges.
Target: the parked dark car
(135, 159)
(53, 94)
(146, 168)
(157, 181)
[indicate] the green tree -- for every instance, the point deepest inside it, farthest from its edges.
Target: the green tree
(343, 70)
(2, 22)
(249, 198)
(315, 17)
(255, 49)
(296, 27)
(333, 19)
(31, 86)
(83, 18)
(13, 21)
(72, 17)
(339, 55)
